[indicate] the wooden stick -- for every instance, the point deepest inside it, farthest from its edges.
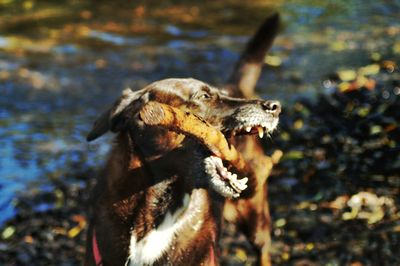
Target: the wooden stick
(158, 114)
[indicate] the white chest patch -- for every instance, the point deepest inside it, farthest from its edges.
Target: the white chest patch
(158, 240)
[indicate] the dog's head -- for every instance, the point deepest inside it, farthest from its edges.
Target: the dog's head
(232, 116)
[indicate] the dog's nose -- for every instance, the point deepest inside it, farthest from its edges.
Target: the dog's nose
(273, 107)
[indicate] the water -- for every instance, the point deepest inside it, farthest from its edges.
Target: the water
(63, 63)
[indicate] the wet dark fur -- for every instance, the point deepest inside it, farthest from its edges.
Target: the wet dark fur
(151, 169)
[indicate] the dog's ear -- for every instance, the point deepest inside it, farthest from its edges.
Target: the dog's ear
(110, 119)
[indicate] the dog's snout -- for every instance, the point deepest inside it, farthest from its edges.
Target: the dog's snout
(273, 107)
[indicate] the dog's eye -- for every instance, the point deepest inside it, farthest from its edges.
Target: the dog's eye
(205, 96)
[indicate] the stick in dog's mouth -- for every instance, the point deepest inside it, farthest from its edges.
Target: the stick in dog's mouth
(223, 181)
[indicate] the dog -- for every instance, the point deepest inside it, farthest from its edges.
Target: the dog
(161, 196)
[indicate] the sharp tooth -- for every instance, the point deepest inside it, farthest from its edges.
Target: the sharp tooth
(241, 186)
(235, 186)
(248, 129)
(260, 132)
(244, 180)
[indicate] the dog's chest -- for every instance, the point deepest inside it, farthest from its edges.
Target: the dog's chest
(159, 240)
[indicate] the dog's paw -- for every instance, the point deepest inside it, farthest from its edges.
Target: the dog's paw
(221, 180)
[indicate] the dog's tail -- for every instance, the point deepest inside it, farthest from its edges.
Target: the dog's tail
(248, 69)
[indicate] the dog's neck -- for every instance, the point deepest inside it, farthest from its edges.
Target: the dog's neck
(139, 173)
(151, 196)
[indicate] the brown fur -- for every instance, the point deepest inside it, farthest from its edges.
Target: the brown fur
(150, 169)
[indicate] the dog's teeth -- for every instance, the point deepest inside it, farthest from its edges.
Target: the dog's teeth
(243, 181)
(218, 161)
(235, 186)
(240, 182)
(260, 132)
(248, 129)
(241, 186)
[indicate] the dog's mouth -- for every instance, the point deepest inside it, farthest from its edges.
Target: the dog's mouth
(246, 120)
(223, 180)
(260, 129)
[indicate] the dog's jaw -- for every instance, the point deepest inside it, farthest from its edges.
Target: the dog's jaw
(221, 180)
